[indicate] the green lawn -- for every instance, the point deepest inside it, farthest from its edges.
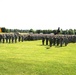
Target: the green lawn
(30, 58)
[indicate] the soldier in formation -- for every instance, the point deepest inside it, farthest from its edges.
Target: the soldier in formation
(60, 40)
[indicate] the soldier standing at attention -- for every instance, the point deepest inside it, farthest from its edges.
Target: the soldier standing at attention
(43, 40)
(47, 39)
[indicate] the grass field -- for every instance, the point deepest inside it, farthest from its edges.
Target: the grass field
(30, 58)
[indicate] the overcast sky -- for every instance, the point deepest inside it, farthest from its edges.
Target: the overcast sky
(38, 14)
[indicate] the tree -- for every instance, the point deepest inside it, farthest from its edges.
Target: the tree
(49, 31)
(54, 31)
(71, 32)
(31, 31)
(3, 29)
(44, 31)
(75, 31)
(38, 31)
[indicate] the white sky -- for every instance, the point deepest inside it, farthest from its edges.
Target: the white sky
(38, 14)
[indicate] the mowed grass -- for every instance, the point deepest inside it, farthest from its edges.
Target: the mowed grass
(31, 58)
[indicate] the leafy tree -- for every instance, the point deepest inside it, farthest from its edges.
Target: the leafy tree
(44, 31)
(75, 31)
(71, 32)
(49, 31)
(38, 31)
(31, 31)
(54, 31)
(3, 29)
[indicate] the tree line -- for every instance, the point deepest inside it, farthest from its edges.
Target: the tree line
(49, 31)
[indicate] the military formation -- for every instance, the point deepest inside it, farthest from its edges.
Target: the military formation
(11, 38)
(47, 39)
(17, 37)
(58, 40)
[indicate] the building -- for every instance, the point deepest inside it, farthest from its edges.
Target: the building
(0, 30)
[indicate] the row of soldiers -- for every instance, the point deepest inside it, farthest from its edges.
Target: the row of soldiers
(11, 38)
(57, 40)
(17, 37)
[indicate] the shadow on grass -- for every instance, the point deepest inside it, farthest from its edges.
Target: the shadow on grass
(41, 45)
